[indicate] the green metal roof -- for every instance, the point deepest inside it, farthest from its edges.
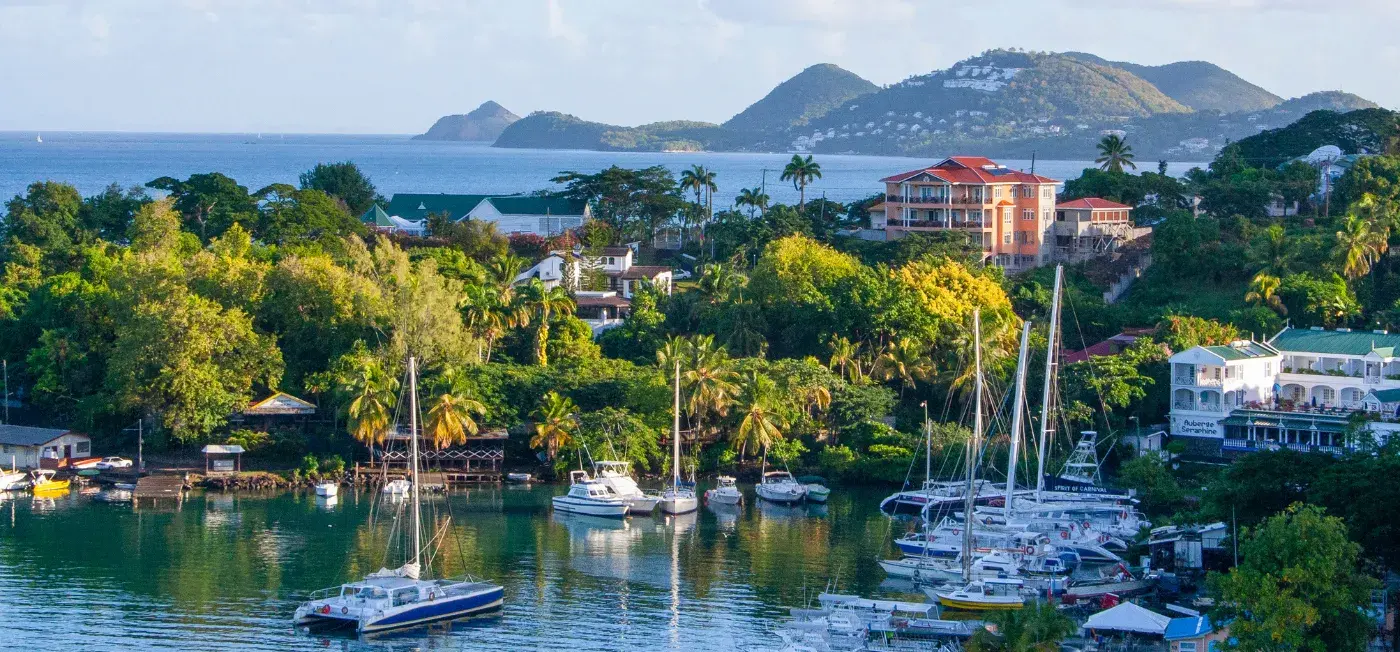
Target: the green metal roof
(1387, 395)
(416, 206)
(1242, 352)
(1337, 342)
(1291, 420)
(537, 205)
(376, 216)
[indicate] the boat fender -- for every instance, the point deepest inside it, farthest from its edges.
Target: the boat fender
(1064, 535)
(325, 608)
(344, 610)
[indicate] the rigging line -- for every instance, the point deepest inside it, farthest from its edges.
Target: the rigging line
(1093, 371)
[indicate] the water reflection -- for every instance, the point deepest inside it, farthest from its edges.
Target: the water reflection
(225, 571)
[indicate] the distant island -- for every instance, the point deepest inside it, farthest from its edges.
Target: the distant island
(1001, 103)
(483, 124)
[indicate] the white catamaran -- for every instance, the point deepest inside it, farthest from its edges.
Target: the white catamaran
(394, 599)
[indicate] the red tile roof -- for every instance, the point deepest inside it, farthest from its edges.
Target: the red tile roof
(970, 170)
(1092, 203)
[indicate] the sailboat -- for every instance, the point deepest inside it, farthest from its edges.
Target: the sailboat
(39, 138)
(677, 499)
(399, 598)
(12, 479)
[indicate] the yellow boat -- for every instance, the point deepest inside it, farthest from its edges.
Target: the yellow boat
(44, 482)
(983, 595)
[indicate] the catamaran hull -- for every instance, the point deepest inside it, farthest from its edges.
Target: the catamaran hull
(407, 616)
(590, 508)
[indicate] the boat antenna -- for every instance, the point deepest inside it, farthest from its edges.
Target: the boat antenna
(413, 457)
(1046, 427)
(972, 446)
(676, 431)
(1016, 407)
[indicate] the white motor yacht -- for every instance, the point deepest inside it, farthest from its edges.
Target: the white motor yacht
(726, 492)
(780, 487)
(617, 476)
(590, 497)
(327, 489)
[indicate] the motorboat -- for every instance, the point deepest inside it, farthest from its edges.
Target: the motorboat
(590, 497)
(942, 569)
(1120, 581)
(848, 622)
(983, 595)
(678, 498)
(519, 478)
(14, 478)
(947, 539)
(327, 489)
(817, 491)
(399, 598)
(398, 487)
(725, 492)
(617, 476)
(42, 481)
(780, 487)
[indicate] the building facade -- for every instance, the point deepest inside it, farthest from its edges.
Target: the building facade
(24, 447)
(1299, 390)
(1006, 212)
(1090, 227)
(543, 216)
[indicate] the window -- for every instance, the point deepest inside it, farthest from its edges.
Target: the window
(1006, 238)
(1045, 215)
(82, 447)
(1006, 216)
(1027, 214)
(996, 192)
(611, 261)
(1059, 216)
(1186, 646)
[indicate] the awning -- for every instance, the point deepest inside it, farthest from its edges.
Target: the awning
(1128, 617)
(223, 449)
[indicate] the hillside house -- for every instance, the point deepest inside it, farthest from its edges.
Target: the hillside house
(1090, 227)
(25, 446)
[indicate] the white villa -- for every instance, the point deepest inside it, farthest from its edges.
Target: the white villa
(1300, 390)
(602, 309)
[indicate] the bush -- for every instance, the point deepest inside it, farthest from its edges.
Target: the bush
(333, 465)
(309, 466)
(836, 461)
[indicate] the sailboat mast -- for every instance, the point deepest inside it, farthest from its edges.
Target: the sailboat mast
(1016, 425)
(676, 430)
(413, 456)
(973, 445)
(1046, 427)
(928, 447)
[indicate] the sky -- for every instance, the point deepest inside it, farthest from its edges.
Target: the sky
(394, 66)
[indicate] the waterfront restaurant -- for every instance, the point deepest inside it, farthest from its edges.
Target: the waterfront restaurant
(1301, 389)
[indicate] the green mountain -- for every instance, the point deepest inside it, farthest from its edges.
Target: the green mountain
(1326, 101)
(1365, 131)
(554, 130)
(485, 123)
(807, 95)
(1201, 85)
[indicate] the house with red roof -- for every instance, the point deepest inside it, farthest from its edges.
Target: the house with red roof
(1006, 212)
(1089, 227)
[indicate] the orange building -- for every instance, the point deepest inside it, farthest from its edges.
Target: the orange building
(1008, 213)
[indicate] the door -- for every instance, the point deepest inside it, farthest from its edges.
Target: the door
(68, 450)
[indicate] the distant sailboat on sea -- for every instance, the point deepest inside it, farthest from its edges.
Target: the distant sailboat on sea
(39, 138)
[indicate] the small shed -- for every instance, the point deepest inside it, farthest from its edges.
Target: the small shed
(25, 446)
(223, 458)
(281, 407)
(1195, 634)
(1128, 618)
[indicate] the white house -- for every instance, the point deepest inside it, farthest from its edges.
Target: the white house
(543, 216)
(24, 446)
(624, 277)
(1298, 390)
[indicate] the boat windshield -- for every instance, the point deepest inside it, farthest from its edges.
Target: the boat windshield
(361, 591)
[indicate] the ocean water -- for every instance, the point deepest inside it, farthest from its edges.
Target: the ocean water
(226, 571)
(91, 161)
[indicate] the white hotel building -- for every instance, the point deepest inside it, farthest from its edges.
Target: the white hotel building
(1298, 390)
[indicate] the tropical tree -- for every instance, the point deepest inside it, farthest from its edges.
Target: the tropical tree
(700, 181)
(906, 361)
(375, 392)
(554, 423)
(1114, 154)
(801, 171)
(752, 198)
(504, 268)
(1038, 627)
(1263, 290)
(450, 413)
(1274, 252)
(763, 421)
(845, 358)
(707, 382)
(1360, 243)
(541, 303)
(488, 314)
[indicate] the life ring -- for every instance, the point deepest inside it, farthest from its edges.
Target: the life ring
(1086, 525)
(344, 610)
(957, 531)
(1028, 550)
(1123, 514)
(1064, 535)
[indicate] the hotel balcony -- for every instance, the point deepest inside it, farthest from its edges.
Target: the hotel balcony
(937, 224)
(937, 200)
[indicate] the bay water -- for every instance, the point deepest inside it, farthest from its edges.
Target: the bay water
(91, 161)
(225, 571)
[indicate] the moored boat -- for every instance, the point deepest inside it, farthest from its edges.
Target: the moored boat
(983, 595)
(780, 487)
(590, 497)
(817, 491)
(678, 498)
(398, 487)
(43, 482)
(519, 478)
(327, 489)
(726, 492)
(617, 476)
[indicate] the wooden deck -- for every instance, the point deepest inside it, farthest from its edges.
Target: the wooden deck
(156, 487)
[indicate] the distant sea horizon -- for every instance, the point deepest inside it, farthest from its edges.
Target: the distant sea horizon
(396, 163)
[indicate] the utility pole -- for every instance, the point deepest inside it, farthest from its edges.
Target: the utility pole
(6, 365)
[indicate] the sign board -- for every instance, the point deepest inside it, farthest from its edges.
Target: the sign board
(223, 465)
(1196, 427)
(1055, 483)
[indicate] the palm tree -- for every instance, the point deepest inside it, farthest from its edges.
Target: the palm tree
(540, 303)
(1274, 253)
(488, 315)
(375, 393)
(752, 198)
(707, 380)
(719, 282)
(801, 172)
(700, 181)
(1038, 627)
(763, 422)
(1263, 290)
(504, 268)
(904, 360)
(1360, 243)
(450, 417)
(554, 423)
(844, 358)
(1114, 154)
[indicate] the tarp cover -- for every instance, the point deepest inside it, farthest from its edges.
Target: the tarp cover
(1128, 617)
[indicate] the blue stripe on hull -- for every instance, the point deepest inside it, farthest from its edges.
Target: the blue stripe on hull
(918, 550)
(439, 610)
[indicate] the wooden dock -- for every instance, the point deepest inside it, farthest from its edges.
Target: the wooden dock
(159, 487)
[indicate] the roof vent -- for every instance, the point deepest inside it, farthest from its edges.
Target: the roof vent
(1381, 331)
(1315, 328)
(1343, 330)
